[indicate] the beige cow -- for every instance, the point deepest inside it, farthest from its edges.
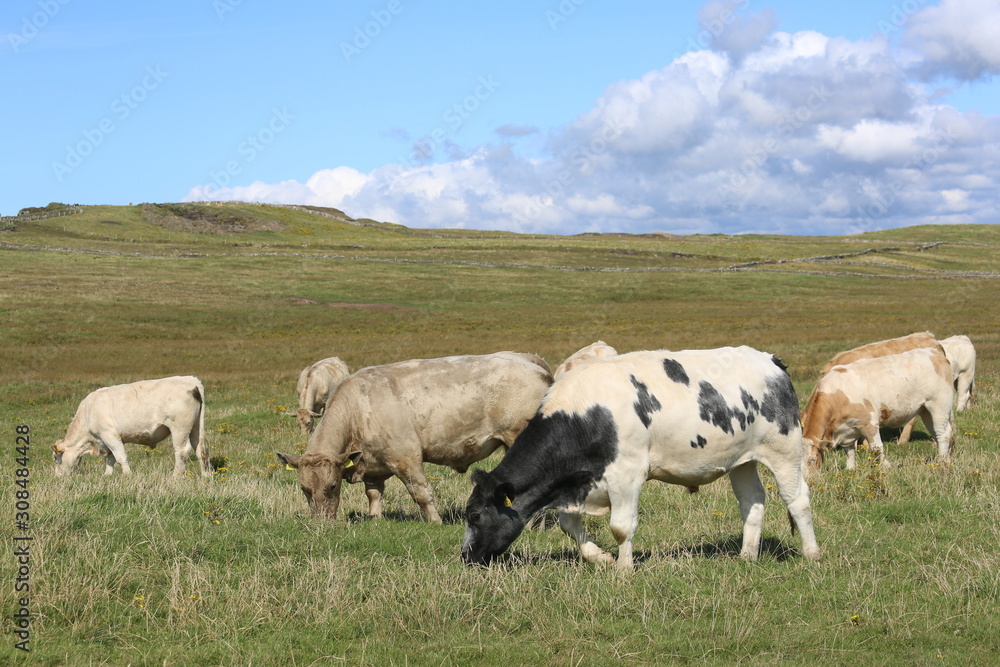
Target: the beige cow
(144, 413)
(852, 401)
(596, 350)
(389, 420)
(316, 384)
(961, 355)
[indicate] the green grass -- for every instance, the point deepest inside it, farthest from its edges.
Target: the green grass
(152, 570)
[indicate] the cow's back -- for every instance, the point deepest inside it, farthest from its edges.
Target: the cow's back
(883, 348)
(440, 402)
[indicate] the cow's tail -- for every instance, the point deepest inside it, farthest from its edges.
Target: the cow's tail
(201, 451)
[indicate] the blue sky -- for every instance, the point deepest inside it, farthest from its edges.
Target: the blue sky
(559, 117)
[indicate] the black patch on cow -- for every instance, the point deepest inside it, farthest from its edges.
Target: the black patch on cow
(197, 394)
(750, 405)
(558, 458)
(645, 403)
(780, 405)
(712, 408)
(700, 442)
(676, 372)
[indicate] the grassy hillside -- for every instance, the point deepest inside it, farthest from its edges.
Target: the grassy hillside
(150, 570)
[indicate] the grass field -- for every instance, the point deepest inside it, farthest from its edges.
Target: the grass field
(233, 571)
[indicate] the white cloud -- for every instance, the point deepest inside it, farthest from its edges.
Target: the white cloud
(957, 38)
(781, 132)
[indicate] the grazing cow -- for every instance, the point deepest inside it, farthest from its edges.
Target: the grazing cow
(603, 430)
(144, 413)
(316, 384)
(852, 401)
(596, 350)
(389, 420)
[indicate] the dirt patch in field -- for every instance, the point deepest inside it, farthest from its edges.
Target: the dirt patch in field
(343, 304)
(203, 219)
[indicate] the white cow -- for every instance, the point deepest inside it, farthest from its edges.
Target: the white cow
(852, 401)
(142, 412)
(607, 427)
(316, 384)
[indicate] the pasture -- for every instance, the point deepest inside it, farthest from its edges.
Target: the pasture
(233, 570)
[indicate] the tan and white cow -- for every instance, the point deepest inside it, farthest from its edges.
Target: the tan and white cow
(853, 400)
(316, 384)
(596, 350)
(144, 413)
(389, 420)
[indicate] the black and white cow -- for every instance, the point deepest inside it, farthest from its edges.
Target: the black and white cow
(684, 418)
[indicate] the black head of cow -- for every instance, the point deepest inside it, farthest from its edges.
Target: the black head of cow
(492, 522)
(320, 478)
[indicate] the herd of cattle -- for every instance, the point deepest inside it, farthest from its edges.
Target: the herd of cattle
(583, 439)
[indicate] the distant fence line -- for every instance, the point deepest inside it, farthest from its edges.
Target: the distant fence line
(8, 221)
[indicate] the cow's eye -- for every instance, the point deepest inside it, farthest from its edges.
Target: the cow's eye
(475, 517)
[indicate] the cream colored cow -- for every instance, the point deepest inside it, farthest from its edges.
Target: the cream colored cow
(144, 413)
(316, 384)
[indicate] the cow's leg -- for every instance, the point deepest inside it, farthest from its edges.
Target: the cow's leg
(904, 436)
(871, 435)
(852, 451)
(750, 494)
(940, 421)
(182, 451)
(624, 519)
(374, 492)
(109, 462)
(794, 493)
(572, 524)
(413, 477)
(963, 387)
(117, 453)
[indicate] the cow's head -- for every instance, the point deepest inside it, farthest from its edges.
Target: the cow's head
(320, 477)
(65, 458)
(305, 418)
(492, 520)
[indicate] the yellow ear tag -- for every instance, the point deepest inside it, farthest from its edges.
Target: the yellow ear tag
(349, 464)
(288, 467)
(507, 502)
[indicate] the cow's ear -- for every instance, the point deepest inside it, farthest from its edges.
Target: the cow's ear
(352, 459)
(58, 450)
(503, 495)
(289, 459)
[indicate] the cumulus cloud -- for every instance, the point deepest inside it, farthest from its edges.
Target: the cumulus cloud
(957, 38)
(765, 131)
